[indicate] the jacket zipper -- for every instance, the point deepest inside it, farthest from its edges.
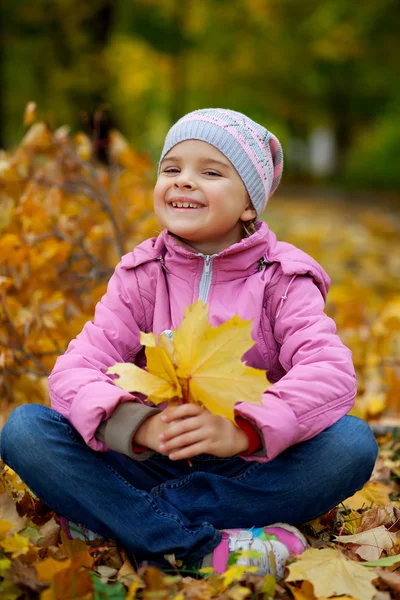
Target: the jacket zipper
(206, 276)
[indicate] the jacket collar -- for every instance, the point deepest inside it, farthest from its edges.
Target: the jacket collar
(238, 260)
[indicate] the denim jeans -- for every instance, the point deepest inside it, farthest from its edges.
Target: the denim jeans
(159, 506)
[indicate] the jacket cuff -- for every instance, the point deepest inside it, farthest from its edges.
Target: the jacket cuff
(118, 431)
(255, 441)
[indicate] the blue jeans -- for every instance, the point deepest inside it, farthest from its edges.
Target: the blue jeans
(159, 506)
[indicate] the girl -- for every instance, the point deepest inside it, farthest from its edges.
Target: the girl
(106, 459)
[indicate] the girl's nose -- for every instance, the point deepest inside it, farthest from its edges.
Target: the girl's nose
(183, 182)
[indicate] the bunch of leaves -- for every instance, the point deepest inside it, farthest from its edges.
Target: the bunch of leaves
(198, 363)
(354, 553)
(65, 220)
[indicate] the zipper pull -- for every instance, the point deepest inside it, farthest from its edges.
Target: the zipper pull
(207, 261)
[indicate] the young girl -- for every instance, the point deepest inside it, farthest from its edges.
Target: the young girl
(106, 459)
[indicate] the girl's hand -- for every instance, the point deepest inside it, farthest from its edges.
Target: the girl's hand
(191, 430)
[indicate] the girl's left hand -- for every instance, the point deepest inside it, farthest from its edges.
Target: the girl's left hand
(196, 430)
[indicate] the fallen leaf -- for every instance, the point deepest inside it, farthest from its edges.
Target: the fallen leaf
(371, 543)
(305, 591)
(8, 512)
(372, 493)
(5, 564)
(17, 545)
(375, 517)
(106, 573)
(34, 509)
(332, 574)
(238, 592)
(391, 579)
(5, 527)
(25, 577)
(50, 533)
(353, 521)
(32, 533)
(382, 595)
(235, 572)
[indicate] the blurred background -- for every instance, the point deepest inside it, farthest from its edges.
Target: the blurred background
(88, 90)
(323, 76)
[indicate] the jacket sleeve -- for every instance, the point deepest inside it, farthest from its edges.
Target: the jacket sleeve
(79, 387)
(319, 386)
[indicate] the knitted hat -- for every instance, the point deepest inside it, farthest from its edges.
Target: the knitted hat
(255, 153)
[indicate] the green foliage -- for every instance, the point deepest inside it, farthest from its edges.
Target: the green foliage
(374, 159)
(292, 64)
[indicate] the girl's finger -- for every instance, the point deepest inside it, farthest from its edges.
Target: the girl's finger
(181, 441)
(189, 451)
(179, 427)
(180, 412)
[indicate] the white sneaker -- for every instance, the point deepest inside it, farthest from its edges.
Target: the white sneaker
(275, 543)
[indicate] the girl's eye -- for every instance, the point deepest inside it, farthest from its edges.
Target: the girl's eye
(171, 170)
(214, 173)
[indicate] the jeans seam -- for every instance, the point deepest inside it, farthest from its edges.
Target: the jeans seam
(172, 485)
(151, 502)
(71, 431)
(248, 472)
(157, 490)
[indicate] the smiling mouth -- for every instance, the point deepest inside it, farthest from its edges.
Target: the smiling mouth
(190, 205)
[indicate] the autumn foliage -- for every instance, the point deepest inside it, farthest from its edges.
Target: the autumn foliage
(64, 223)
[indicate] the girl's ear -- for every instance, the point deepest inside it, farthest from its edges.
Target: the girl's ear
(249, 213)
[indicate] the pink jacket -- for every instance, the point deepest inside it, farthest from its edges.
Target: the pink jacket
(277, 285)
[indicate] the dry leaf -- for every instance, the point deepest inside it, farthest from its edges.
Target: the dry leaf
(17, 545)
(8, 512)
(375, 517)
(25, 577)
(50, 533)
(391, 579)
(371, 543)
(305, 591)
(331, 574)
(372, 493)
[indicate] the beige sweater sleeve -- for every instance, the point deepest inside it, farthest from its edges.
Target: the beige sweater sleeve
(118, 431)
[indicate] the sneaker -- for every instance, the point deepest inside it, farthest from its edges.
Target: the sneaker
(275, 543)
(73, 531)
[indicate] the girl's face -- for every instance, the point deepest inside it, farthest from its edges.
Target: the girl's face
(200, 197)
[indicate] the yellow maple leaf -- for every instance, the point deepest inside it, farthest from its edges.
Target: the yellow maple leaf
(17, 545)
(332, 574)
(200, 364)
(373, 492)
(134, 379)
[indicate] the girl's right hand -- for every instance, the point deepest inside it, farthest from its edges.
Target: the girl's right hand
(148, 434)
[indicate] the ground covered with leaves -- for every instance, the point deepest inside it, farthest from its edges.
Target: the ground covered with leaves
(354, 553)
